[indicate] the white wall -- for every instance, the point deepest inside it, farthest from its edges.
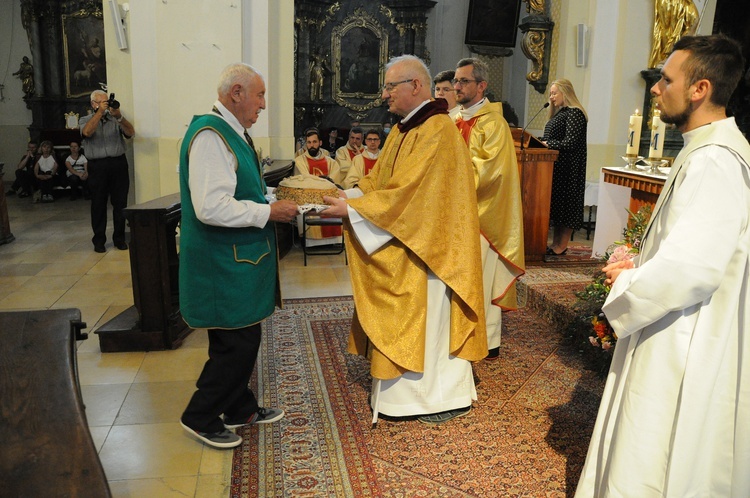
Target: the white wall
(445, 34)
(170, 71)
(14, 117)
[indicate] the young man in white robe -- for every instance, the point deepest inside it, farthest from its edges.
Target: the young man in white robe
(675, 414)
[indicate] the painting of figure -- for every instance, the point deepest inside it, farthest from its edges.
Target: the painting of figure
(83, 43)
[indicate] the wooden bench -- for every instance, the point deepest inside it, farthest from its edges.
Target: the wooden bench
(47, 448)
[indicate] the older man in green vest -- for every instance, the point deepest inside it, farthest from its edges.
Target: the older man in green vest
(228, 259)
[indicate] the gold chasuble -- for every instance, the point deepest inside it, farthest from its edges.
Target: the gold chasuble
(498, 187)
(422, 192)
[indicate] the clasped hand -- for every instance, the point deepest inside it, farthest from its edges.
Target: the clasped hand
(613, 270)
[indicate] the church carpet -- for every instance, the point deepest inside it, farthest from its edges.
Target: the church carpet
(527, 434)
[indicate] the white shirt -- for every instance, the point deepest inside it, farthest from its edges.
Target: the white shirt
(213, 181)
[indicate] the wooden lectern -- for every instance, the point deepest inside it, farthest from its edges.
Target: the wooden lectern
(155, 322)
(535, 165)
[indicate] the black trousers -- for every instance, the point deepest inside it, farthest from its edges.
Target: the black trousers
(24, 181)
(75, 183)
(223, 383)
(108, 181)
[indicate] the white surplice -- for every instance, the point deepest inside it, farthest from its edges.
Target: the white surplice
(447, 382)
(674, 420)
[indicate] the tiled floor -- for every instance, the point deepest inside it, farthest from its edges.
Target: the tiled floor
(133, 400)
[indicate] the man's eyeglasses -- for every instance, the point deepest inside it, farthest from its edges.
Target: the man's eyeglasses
(462, 82)
(388, 87)
(372, 139)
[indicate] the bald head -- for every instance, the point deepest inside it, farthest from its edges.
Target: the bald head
(407, 84)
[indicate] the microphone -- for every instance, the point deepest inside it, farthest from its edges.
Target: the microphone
(546, 105)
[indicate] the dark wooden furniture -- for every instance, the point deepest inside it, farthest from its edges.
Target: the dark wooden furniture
(60, 137)
(645, 189)
(313, 220)
(154, 323)
(47, 447)
(280, 169)
(5, 236)
(535, 165)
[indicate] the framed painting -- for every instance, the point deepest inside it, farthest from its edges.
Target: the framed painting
(83, 53)
(493, 23)
(360, 51)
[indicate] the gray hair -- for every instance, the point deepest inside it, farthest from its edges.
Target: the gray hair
(480, 71)
(97, 92)
(239, 72)
(416, 68)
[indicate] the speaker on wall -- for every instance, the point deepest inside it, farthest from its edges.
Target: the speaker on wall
(122, 42)
(581, 45)
(493, 23)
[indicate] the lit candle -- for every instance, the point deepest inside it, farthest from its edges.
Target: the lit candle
(634, 133)
(658, 130)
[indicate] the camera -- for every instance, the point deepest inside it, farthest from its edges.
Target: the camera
(113, 104)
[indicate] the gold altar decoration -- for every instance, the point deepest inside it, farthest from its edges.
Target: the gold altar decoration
(360, 52)
(536, 29)
(314, 19)
(672, 20)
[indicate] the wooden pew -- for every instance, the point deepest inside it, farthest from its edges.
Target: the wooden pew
(47, 448)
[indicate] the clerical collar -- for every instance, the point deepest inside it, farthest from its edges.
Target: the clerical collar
(422, 113)
(412, 113)
(469, 112)
(369, 154)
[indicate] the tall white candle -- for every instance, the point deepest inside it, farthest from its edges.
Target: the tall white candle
(634, 133)
(658, 130)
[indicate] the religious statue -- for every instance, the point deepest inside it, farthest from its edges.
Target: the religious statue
(672, 20)
(317, 73)
(26, 74)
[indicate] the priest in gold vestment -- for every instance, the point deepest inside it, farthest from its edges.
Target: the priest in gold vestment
(414, 255)
(498, 185)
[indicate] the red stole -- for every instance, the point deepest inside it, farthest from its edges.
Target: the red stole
(464, 127)
(352, 153)
(318, 167)
(369, 163)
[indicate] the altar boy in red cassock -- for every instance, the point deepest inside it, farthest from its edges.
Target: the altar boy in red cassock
(316, 163)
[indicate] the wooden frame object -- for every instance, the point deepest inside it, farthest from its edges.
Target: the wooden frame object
(84, 56)
(360, 50)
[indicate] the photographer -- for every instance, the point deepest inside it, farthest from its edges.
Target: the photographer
(104, 133)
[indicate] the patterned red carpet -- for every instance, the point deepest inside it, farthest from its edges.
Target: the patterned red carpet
(526, 436)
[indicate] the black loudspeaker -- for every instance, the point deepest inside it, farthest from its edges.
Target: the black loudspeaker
(493, 23)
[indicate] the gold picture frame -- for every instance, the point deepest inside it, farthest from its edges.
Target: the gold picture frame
(84, 56)
(71, 120)
(360, 52)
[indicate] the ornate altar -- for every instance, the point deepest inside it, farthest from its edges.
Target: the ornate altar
(66, 40)
(340, 54)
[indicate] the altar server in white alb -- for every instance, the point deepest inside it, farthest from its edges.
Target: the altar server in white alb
(675, 415)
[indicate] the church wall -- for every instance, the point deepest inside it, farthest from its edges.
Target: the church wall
(14, 116)
(177, 50)
(446, 33)
(170, 71)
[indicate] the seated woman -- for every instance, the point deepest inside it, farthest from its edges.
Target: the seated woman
(45, 170)
(77, 174)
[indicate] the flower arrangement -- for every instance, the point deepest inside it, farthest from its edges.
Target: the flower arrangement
(591, 299)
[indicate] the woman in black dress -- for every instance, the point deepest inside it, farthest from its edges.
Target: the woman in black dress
(566, 132)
